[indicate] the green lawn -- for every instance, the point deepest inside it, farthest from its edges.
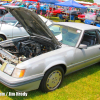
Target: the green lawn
(80, 85)
(56, 19)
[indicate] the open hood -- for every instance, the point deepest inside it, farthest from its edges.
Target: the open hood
(32, 23)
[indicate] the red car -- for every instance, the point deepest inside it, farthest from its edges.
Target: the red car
(57, 11)
(81, 17)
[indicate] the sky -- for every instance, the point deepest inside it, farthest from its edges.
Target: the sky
(97, 1)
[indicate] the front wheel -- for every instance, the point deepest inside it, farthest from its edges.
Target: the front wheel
(52, 79)
(2, 38)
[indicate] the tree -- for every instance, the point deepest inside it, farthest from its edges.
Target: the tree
(87, 1)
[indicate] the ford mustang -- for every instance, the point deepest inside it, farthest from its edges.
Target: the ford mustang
(41, 59)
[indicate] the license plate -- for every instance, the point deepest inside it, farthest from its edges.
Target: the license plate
(8, 69)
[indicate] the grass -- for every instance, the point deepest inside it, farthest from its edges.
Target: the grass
(80, 85)
(56, 19)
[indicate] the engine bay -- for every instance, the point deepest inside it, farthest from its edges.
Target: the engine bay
(25, 49)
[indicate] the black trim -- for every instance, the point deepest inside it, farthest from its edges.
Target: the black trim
(8, 84)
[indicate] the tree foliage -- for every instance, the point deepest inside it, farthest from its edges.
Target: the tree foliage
(87, 1)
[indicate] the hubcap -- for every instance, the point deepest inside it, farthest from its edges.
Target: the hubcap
(1, 39)
(53, 80)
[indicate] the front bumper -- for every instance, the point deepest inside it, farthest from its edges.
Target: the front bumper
(20, 84)
(81, 18)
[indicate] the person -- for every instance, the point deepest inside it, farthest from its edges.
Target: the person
(91, 11)
(27, 5)
(66, 17)
(48, 13)
(38, 8)
(61, 16)
(99, 11)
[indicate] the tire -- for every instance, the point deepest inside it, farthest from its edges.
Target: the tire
(2, 38)
(57, 15)
(82, 20)
(52, 79)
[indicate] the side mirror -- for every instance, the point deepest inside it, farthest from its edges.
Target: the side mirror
(19, 25)
(82, 46)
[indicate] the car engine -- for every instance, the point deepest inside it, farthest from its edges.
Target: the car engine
(24, 49)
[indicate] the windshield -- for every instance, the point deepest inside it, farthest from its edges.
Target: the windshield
(9, 19)
(66, 35)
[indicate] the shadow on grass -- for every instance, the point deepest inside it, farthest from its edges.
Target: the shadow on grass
(67, 80)
(80, 74)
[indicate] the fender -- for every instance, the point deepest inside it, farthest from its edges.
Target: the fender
(1, 33)
(58, 62)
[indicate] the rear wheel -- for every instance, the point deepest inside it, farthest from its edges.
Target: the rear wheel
(52, 79)
(57, 15)
(2, 38)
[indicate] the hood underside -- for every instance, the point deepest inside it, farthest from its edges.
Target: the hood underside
(32, 23)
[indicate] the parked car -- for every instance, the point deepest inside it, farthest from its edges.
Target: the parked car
(89, 16)
(2, 11)
(11, 28)
(48, 54)
(81, 17)
(73, 15)
(56, 12)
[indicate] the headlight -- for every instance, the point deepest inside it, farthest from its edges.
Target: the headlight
(9, 69)
(18, 73)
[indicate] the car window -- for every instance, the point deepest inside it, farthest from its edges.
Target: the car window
(66, 35)
(98, 32)
(90, 38)
(56, 29)
(9, 19)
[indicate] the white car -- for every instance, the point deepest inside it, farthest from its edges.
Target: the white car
(11, 28)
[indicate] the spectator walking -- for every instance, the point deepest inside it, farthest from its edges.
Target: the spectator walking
(38, 8)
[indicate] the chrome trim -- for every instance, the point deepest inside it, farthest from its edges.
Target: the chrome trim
(76, 64)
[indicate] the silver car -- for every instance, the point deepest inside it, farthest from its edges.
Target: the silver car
(42, 59)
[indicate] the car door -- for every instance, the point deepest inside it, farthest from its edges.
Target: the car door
(19, 31)
(89, 56)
